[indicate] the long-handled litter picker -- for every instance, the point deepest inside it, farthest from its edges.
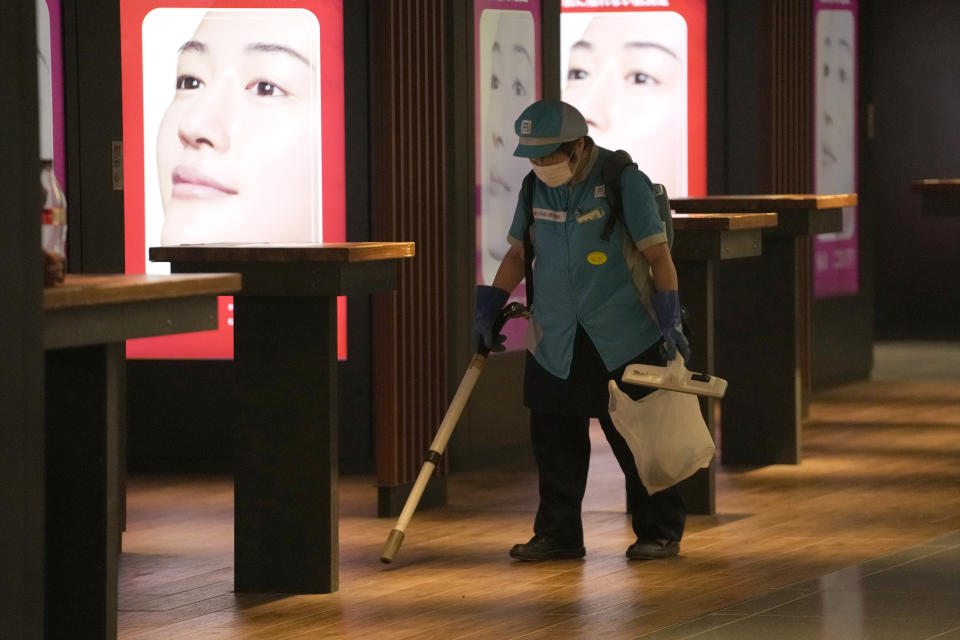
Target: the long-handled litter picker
(449, 422)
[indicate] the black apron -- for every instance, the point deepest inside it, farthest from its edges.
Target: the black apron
(584, 393)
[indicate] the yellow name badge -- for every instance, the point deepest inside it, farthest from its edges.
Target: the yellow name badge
(597, 257)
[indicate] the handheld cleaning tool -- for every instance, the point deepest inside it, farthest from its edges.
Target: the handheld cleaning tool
(675, 377)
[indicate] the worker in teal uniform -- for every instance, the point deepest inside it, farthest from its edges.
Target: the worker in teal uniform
(600, 304)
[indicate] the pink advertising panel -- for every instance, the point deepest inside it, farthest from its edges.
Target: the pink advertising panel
(835, 255)
(50, 86)
(506, 80)
(232, 132)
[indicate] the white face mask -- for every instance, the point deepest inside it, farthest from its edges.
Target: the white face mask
(554, 175)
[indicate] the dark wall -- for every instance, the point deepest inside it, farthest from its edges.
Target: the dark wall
(92, 112)
(21, 354)
(738, 96)
(356, 392)
(843, 327)
(912, 67)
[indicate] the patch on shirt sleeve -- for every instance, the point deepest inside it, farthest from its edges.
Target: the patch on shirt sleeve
(549, 214)
(600, 191)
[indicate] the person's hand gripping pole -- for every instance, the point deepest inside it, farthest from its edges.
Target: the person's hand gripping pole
(490, 303)
(439, 444)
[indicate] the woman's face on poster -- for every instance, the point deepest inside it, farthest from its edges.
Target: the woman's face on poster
(237, 148)
(835, 101)
(627, 75)
(511, 88)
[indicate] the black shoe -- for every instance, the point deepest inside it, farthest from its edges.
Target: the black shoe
(544, 548)
(653, 549)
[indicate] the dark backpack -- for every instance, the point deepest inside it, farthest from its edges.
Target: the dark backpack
(610, 172)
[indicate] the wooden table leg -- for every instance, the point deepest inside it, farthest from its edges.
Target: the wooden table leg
(286, 510)
(758, 346)
(82, 511)
(696, 294)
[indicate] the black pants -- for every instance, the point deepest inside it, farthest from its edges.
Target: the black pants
(559, 430)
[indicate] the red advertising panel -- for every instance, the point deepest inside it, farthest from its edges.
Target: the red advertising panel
(836, 255)
(233, 132)
(507, 76)
(637, 70)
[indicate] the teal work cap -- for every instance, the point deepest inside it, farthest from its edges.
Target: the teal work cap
(545, 125)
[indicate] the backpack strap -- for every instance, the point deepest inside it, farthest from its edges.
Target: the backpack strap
(526, 192)
(663, 208)
(610, 173)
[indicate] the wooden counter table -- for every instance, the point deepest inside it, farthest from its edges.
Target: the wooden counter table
(940, 196)
(700, 242)
(86, 320)
(285, 347)
(797, 214)
(763, 324)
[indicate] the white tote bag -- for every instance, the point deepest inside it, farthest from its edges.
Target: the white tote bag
(665, 432)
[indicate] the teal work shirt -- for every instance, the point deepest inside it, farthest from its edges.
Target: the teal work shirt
(581, 278)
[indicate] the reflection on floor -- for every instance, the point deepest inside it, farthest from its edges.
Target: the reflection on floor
(874, 509)
(914, 593)
(916, 360)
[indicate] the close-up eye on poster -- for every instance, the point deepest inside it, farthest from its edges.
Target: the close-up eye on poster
(233, 132)
(636, 70)
(507, 80)
(836, 255)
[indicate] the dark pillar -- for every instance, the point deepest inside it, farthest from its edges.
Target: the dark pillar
(286, 510)
(82, 524)
(21, 352)
(696, 294)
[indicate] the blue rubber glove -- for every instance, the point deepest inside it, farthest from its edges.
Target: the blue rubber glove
(490, 302)
(667, 306)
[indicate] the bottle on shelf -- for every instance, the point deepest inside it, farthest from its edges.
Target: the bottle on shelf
(53, 221)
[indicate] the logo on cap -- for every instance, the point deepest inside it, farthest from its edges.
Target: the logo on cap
(526, 126)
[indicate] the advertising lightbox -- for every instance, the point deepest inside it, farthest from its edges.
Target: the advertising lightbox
(637, 71)
(507, 76)
(50, 86)
(836, 255)
(233, 132)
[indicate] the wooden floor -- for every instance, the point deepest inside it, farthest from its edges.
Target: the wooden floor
(881, 472)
